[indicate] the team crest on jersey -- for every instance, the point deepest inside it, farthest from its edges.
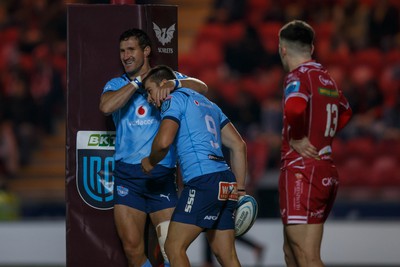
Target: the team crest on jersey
(292, 87)
(324, 81)
(141, 111)
(122, 191)
(166, 104)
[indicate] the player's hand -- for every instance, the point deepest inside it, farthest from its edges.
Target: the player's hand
(304, 147)
(241, 194)
(166, 87)
(146, 165)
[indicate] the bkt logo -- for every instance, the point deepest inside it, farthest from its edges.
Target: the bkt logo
(95, 165)
(102, 140)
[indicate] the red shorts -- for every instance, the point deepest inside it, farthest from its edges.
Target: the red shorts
(307, 192)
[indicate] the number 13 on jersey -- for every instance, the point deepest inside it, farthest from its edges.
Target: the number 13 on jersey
(332, 114)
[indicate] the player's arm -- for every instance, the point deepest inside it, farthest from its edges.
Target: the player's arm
(345, 112)
(295, 110)
(161, 143)
(171, 85)
(238, 154)
(111, 101)
(195, 84)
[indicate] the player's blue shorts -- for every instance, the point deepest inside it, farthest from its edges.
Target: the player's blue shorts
(148, 193)
(208, 201)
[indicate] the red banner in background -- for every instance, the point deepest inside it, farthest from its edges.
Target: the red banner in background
(93, 59)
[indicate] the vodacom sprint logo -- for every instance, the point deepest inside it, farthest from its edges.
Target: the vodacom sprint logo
(141, 111)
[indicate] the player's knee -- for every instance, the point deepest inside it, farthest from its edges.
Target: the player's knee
(162, 231)
(171, 249)
(133, 249)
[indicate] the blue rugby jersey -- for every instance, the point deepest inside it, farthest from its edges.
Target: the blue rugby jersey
(198, 141)
(136, 125)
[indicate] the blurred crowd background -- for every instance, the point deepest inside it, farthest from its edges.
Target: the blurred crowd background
(234, 49)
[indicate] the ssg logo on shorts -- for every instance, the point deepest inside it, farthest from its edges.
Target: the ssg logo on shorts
(190, 201)
(95, 163)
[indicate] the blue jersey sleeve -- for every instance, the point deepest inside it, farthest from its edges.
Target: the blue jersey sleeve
(179, 75)
(224, 119)
(116, 83)
(173, 106)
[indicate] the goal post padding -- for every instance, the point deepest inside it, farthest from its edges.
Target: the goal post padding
(93, 59)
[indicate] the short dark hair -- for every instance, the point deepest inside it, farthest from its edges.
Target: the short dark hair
(141, 36)
(159, 73)
(297, 31)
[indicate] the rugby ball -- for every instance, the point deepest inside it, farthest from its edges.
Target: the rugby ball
(246, 214)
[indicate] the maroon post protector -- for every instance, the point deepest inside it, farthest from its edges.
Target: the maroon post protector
(122, 2)
(93, 59)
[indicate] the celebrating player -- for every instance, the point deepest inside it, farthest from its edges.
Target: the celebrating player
(136, 122)
(208, 201)
(314, 111)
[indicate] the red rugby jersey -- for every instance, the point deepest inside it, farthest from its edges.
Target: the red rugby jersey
(313, 107)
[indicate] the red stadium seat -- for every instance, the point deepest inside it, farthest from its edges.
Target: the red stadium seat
(362, 74)
(371, 57)
(208, 54)
(361, 147)
(188, 64)
(215, 32)
(263, 84)
(385, 172)
(229, 90)
(324, 30)
(389, 84)
(255, 11)
(211, 76)
(392, 57)
(269, 32)
(235, 32)
(353, 172)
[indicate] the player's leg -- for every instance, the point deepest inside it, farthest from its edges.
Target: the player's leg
(180, 236)
(130, 225)
(288, 252)
(221, 235)
(305, 243)
(222, 243)
(162, 197)
(161, 220)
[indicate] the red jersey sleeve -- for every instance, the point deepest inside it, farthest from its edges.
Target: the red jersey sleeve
(345, 112)
(295, 111)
